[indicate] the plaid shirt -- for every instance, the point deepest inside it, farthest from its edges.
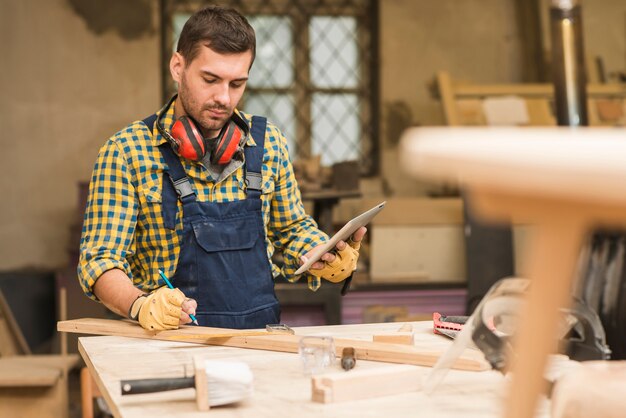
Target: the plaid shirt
(123, 226)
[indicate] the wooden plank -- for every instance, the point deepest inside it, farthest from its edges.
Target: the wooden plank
(365, 350)
(366, 384)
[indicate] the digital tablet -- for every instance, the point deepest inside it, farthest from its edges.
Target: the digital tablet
(342, 235)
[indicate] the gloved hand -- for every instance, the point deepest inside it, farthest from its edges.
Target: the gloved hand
(342, 266)
(159, 310)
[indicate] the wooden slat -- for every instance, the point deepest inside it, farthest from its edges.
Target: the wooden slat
(365, 350)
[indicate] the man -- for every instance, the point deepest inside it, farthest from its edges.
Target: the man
(204, 193)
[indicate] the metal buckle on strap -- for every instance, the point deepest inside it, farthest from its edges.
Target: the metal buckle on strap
(183, 187)
(254, 181)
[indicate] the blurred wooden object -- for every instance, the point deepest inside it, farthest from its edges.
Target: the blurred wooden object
(462, 102)
(35, 386)
(12, 341)
(31, 385)
(591, 390)
(88, 392)
(564, 182)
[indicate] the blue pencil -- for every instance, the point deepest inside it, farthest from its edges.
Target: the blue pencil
(193, 318)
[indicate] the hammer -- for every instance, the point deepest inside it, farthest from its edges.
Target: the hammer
(216, 382)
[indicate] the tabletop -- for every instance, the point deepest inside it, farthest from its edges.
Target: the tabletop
(281, 388)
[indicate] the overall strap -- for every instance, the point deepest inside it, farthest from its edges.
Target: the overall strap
(175, 181)
(254, 158)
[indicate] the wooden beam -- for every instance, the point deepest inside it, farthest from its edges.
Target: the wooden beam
(365, 350)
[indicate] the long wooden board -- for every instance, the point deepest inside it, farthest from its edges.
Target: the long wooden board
(365, 350)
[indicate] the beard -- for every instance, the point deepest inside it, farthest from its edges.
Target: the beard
(209, 125)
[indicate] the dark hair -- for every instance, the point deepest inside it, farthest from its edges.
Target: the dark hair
(224, 30)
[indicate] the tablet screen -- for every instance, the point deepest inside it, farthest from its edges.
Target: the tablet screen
(342, 235)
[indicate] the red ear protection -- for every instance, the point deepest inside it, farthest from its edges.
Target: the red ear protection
(186, 139)
(225, 145)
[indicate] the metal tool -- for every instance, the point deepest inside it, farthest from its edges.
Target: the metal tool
(501, 301)
(494, 322)
(280, 328)
(449, 326)
(348, 358)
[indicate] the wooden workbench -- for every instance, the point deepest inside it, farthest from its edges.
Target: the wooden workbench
(281, 388)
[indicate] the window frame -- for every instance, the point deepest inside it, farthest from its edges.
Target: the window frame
(302, 90)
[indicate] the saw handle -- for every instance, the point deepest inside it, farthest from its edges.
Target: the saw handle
(137, 386)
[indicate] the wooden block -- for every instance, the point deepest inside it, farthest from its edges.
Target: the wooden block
(404, 335)
(366, 384)
(394, 338)
(202, 389)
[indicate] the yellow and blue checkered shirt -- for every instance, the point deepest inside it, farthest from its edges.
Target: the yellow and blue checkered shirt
(123, 225)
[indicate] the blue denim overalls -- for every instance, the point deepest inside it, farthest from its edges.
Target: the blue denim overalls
(223, 261)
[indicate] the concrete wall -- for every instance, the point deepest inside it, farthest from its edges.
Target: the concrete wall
(476, 40)
(73, 73)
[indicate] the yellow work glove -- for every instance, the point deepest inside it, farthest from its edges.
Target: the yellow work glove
(159, 310)
(342, 266)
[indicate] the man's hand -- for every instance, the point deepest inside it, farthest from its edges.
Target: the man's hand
(338, 265)
(162, 309)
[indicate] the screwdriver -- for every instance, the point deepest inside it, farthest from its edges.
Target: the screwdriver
(193, 318)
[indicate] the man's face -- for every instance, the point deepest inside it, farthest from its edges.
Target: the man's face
(211, 86)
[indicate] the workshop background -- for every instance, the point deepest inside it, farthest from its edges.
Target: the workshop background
(344, 89)
(76, 71)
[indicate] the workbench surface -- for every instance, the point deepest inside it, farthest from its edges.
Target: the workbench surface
(281, 389)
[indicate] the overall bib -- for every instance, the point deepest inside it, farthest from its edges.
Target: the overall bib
(223, 261)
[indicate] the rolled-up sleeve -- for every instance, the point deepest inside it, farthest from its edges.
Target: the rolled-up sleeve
(110, 219)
